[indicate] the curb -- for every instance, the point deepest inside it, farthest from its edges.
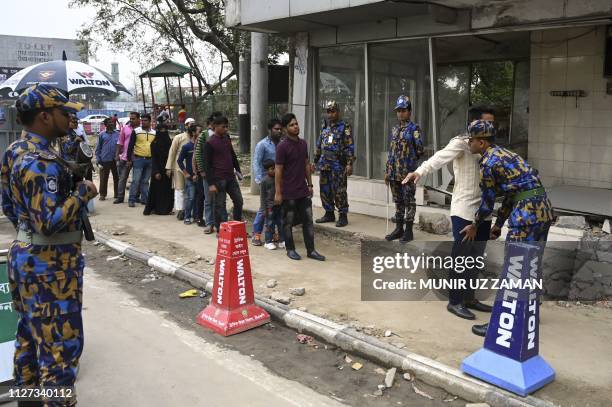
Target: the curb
(428, 370)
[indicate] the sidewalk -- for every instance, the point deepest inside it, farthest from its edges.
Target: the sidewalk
(574, 340)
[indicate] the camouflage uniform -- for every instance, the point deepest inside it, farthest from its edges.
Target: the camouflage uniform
(46, 280)
(525, 204)
(68, 146)
(405, 149)
(335, 150)
(503, 172)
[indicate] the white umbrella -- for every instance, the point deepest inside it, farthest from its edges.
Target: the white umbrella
(69, 76)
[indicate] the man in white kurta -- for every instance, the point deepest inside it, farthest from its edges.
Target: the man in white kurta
(464, 205)
(174, 172)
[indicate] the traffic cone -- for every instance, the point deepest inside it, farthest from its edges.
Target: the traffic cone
(510, 357)
(232, 308)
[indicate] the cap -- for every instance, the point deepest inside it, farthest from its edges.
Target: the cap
(189, 120)
(481, 129)
(41, 96)
(331, 105)
(403, 102)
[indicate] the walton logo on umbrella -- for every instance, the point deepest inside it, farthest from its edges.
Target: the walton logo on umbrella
(87, 80)
(86, 75)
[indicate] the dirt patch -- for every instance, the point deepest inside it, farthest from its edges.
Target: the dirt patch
(318, 365)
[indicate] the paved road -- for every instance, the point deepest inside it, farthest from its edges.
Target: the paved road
(143, 348)
(135, 356)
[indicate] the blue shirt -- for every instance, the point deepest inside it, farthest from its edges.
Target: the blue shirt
(184, 160)
(107, 143)
(264, 150)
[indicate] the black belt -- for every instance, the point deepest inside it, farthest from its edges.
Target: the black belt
(141, 156)
(38, 239)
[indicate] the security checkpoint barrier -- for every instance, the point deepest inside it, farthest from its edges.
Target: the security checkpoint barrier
(232, 308)
(510, 356)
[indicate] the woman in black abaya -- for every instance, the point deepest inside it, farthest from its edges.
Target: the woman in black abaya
(161, 195)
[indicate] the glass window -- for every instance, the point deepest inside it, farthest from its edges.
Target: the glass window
(342, 78)
(396, 69)
(453, 100)
(493, 85)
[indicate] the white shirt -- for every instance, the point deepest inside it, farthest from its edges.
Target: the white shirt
(466, 166)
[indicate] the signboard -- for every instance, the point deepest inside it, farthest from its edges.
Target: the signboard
(20, 52)
(122, 106)
(8, 323)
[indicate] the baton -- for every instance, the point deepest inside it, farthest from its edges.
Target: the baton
(387, 217)
(442, 191)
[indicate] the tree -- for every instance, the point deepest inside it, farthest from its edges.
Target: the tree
(194, 29)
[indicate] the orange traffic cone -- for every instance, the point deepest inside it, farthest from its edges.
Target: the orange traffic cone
(232, 308)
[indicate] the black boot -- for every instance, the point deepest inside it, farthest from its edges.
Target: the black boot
(408, 236)
(342, 220)
(480, 330)
(397, 232)
(180, 215)
(328, 217)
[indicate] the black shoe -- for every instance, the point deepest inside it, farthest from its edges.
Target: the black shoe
(118, 201)
(201, 223)
(132, 205)
(480, 330)
(408, 235)
(146, 213)
(292, 254)
(460, 311)
(328, 217)
(180, 215)
(315, 256)
(342, 220)
(478, 306)
(397, 232)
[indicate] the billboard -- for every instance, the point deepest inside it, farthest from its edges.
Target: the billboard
(17, 52)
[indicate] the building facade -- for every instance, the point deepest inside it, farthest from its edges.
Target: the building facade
(539, 63)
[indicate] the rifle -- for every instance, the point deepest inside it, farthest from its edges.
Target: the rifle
(78, 170)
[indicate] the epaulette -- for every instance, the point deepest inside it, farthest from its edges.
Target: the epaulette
(47, 155)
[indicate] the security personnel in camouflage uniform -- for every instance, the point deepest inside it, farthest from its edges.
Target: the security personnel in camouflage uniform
(405, 149)
(334, 158)
(525, 204)
(70, 142)
(45, 264)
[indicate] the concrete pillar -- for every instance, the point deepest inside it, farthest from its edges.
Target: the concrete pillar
(259, 92)
(300, 80)
(244, 85)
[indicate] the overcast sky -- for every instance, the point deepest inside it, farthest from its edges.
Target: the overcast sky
(53, 18)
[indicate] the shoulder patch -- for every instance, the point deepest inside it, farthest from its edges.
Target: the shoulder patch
(52, 184)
